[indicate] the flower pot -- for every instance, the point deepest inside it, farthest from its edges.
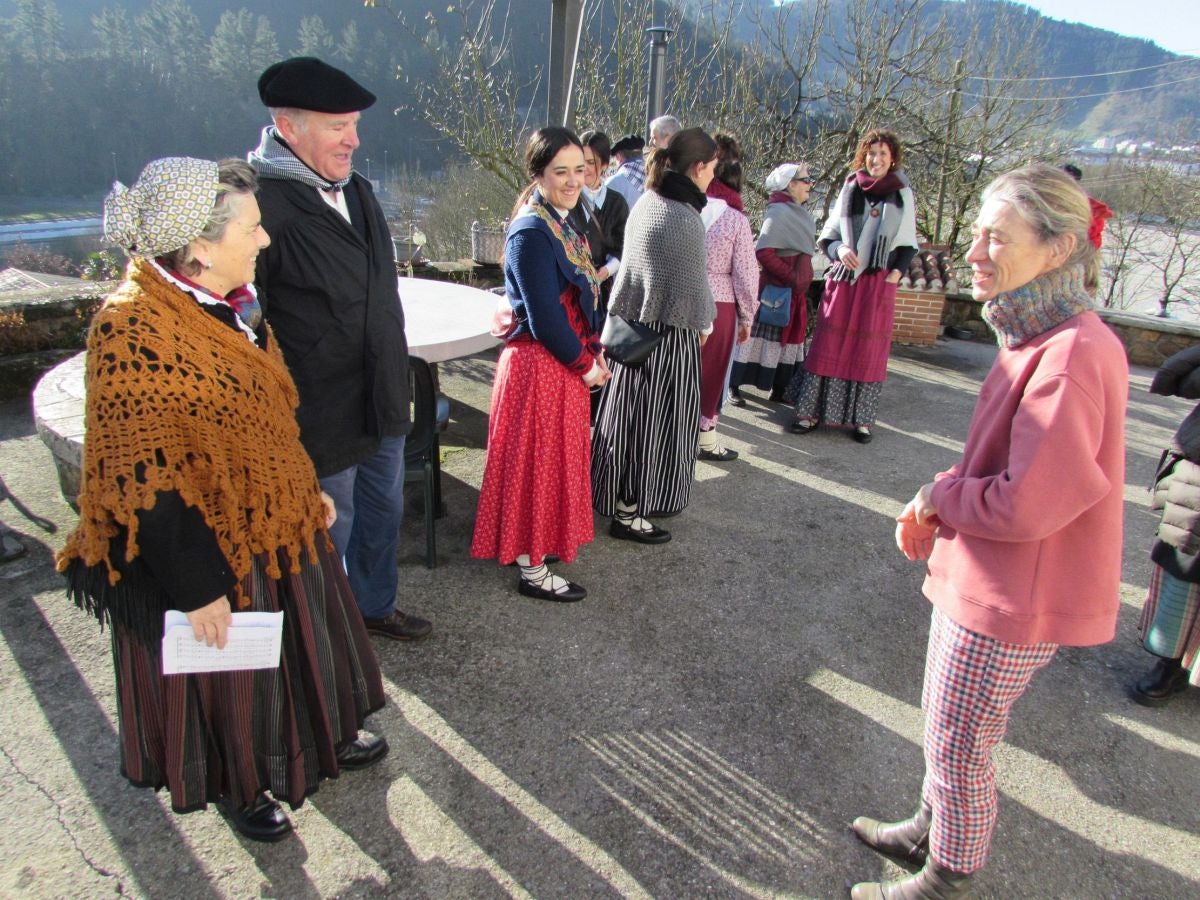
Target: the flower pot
(487, 243)
(408, 252)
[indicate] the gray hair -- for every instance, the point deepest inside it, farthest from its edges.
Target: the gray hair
(1053, 204)
(234, 176)
(663, 129)
(298, 116)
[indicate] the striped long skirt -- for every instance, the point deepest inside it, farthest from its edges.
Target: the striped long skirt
(1170, 623)
(644, 445)
(238, 733)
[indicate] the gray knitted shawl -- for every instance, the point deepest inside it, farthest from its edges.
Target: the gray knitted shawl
(662, 278)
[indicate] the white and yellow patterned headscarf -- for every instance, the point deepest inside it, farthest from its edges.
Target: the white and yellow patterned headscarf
(169, 205)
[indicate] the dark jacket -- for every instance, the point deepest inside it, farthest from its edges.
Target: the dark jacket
(1177, 481)
(328, 288)
(604, 229)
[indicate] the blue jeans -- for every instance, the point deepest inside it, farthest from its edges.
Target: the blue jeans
(369, 499)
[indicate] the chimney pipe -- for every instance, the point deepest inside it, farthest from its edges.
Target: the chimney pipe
(656, 100)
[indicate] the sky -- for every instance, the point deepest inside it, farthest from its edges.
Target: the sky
(1172, 24)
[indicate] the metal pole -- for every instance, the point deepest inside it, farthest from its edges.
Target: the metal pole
(566, 23)
(951, 127)
(656, 99)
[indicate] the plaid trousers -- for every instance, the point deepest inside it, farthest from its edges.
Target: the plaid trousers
(971, 684)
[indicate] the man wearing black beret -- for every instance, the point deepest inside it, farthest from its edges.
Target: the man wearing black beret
(328, 284)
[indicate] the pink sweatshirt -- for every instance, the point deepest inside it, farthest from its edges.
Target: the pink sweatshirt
(1029, 550)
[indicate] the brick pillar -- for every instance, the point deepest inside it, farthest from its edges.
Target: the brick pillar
(918, 317)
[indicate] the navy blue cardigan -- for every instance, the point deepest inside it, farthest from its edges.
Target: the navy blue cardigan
(539, 280)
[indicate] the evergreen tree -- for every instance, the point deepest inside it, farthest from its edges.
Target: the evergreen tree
(37, 31)
(169, 34)
(242, 43)
(114, 33)
(314, 38)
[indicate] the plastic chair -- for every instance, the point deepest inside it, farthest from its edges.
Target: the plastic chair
(422, 449)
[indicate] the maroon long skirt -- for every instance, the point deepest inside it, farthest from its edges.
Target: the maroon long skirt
(537, 495)
(714, 363)
(853, 335)
(238, 733)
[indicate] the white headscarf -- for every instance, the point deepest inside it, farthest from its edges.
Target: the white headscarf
(781, 176)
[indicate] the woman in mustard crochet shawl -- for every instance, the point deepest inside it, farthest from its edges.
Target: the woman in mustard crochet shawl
(197, 496)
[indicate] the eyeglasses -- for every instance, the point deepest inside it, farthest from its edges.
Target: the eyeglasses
(805, 178)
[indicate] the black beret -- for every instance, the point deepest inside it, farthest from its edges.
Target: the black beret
(631, 143)
(304, 82)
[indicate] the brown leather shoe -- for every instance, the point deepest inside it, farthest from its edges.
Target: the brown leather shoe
(933, 882)
(907, 840)
(399, 627)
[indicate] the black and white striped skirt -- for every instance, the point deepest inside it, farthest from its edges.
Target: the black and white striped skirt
(644, 444)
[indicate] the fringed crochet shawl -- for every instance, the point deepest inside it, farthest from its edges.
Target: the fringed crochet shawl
(179, 401)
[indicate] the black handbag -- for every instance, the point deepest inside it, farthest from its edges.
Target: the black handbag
(628, 341)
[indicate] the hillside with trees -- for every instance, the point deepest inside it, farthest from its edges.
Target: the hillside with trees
(91, 95)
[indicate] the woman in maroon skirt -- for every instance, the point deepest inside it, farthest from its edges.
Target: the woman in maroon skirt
(870, 237)
(536, 499)
(197, 496)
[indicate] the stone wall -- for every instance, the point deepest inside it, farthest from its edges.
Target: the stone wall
(1148, 340)
(40, 328)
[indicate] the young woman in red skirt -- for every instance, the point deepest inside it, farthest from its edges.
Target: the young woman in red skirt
(536, 499)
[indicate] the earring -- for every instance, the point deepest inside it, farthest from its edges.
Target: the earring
(208, 265)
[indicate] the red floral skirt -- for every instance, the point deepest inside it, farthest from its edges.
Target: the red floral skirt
(537, 495)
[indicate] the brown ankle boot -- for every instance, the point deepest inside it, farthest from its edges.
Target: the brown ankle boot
(907, 840)
(933, 882)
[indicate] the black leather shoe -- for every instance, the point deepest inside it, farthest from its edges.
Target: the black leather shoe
(263, 820)
(1161, 683)
(721, 454)
(570, 594)
(862, 435)
(623, 532)
(736, 398)
(803, 426)
(365, 750)
(399, 627)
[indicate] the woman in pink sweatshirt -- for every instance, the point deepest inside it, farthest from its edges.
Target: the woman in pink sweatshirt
(1023, 534)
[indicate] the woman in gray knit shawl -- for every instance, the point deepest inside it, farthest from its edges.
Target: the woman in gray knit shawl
(644, 445)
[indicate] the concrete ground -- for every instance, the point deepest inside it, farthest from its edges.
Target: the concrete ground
(706, 723)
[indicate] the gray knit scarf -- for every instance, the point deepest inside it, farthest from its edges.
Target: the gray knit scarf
(273, 158)
(1038, 306)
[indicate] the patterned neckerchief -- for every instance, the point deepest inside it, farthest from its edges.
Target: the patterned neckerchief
(574, 244)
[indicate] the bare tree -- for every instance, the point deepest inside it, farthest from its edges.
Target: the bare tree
(1152, 246)
(982, 116)
(478, 100)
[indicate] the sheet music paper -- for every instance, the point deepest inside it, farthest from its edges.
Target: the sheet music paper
(254, 642)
